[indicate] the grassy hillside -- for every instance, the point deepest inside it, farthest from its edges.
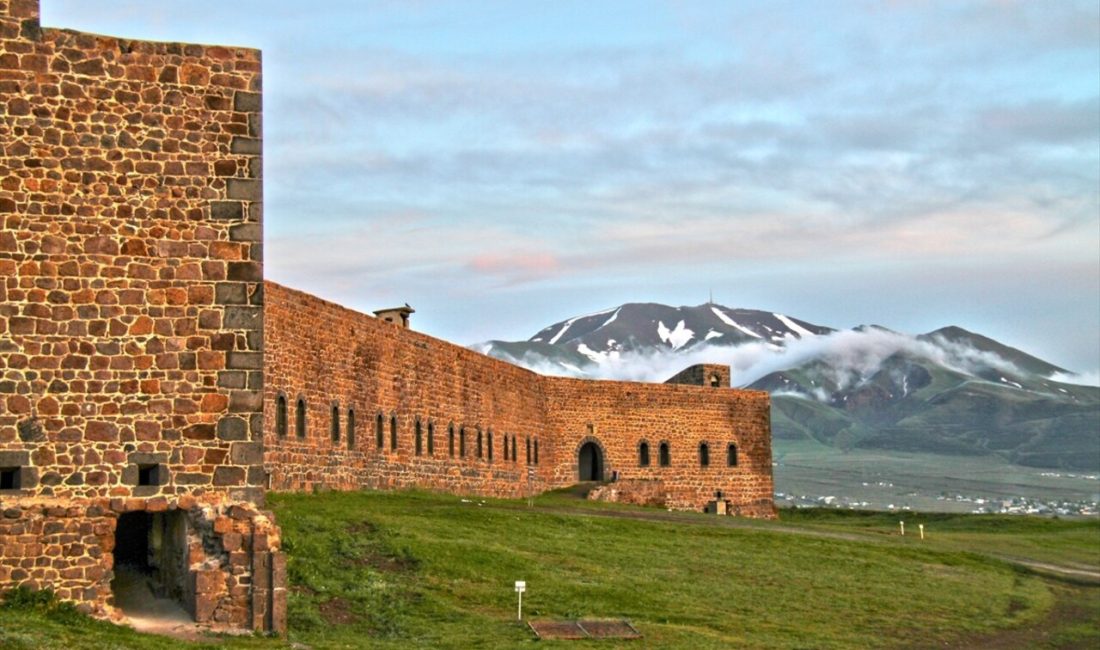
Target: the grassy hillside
(413, 569)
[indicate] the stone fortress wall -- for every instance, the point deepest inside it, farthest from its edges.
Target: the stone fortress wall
(353, 401)
(131, 333)
(150, 380)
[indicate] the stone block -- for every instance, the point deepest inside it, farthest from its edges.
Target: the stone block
(228, 210)
(233, 428)
(245, 189)
(247, 102)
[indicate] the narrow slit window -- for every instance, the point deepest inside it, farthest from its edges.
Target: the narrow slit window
(515, 449)
(504, 445)
(393, 432)
(704, 455)
(480, 445)
(379, 435)
(335, 423)
(664, 455)
(280, 416)
(431, 438)
(489, 444)
(731, 455)
(536, 451)
(527, 440)
(462, 442)
(419, 438)
(351, 429)
(300, 418)
(643, 454)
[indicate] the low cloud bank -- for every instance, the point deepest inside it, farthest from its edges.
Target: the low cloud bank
(1080, 378)
(847, 356)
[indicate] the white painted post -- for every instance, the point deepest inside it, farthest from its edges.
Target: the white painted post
(921, 526)
(521, 586)
(902, 524)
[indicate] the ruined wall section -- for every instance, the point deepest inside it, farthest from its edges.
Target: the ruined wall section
(620, 416)
(130, 264)
(330, 357)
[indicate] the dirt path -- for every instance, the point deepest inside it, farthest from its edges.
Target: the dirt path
(1070, 624)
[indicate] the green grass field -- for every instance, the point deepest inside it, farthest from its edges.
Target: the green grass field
(414, 569)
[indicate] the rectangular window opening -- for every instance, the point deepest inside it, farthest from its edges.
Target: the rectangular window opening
(9, 478)
(149, 474)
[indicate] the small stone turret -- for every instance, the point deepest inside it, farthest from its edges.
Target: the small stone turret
(396, 315)
(704, 374)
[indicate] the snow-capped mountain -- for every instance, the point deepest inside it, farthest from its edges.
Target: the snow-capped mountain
(946, 391)
(641, 326)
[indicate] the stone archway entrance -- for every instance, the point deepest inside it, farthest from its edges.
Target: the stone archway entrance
(590, 462)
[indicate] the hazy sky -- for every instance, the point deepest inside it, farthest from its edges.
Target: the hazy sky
(504, 165)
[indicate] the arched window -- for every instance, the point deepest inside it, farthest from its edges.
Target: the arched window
(527, 440)
(431, 438)
(451, 439)
(393, 432)
(731, 455)
(336, 423)
(704, 455)
(643, 454)
(462, 441)
(379, 434)
(489, 444)
(280, 416)
(351, 429)
(300, 418)
(514, 449)
(664, 457)
(536, 451)
(715, 381)
(504, 446)
(419, 438)
(480, 445)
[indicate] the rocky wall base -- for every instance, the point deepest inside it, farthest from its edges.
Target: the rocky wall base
(232, 573)
(654, 492)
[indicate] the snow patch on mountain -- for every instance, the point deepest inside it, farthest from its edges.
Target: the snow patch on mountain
(795, 327)
(724, 317)
(678, 337)
(569, 323)
(712, 335)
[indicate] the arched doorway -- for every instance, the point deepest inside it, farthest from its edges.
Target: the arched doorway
(590, 462)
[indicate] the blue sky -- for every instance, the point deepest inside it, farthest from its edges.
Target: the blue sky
(504, 165)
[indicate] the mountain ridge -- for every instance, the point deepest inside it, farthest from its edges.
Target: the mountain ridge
(949, 391)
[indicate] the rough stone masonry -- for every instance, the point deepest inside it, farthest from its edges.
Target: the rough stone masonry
(153, 386)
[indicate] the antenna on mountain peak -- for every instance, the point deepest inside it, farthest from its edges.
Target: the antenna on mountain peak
(710, 301)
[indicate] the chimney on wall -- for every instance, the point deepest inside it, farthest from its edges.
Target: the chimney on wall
(396, 315)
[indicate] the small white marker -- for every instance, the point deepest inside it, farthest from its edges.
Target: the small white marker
(902, 524)
(521, 586)
(921, 526)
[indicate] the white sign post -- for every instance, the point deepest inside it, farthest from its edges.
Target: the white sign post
(921, 526)
(521, 586)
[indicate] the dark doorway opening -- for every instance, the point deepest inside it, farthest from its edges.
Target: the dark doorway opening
(132, 542)
(151, 570)
(590, 462)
